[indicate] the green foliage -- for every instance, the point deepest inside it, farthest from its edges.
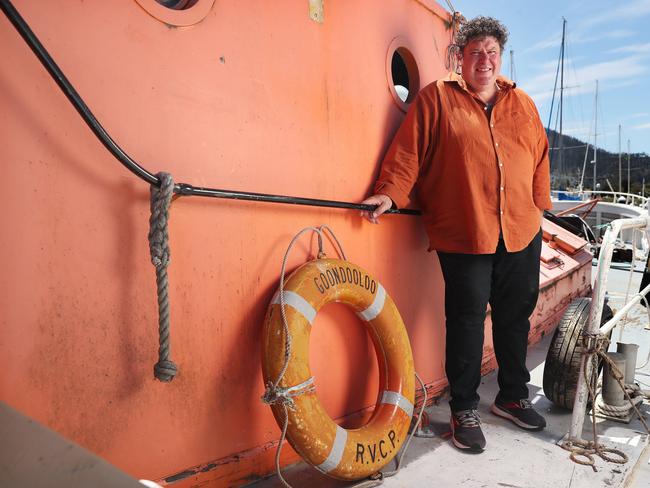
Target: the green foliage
(566, 174)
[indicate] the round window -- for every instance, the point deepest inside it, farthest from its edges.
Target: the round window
(177, 4)
(402, 73)
(181, 13)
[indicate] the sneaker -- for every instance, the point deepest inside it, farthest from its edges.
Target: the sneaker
(521, 413)
(466, 431)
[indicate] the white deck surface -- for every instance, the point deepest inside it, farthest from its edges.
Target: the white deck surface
(514, 458)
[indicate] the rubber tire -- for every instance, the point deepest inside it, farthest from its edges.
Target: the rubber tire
(562, 366)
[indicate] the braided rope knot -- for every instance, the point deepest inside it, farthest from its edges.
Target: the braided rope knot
(161, 198)
(165, 370)
(595, 343)
(284, 396)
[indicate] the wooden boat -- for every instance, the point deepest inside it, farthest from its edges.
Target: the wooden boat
(298, 99)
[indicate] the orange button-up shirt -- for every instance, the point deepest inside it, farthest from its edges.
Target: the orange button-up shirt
(475, 174)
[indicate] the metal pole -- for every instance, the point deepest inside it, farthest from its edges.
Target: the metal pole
(513, 72)
(560, 165)
(620, 186)
(595, 135)
(628, 166)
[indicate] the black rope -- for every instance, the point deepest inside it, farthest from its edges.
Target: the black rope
(161, 198)
(180, 188)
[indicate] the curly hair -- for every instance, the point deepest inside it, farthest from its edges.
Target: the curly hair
(480, 27)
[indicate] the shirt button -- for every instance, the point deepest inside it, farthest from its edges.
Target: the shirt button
(485, 108)
(500, 164)
(496, 144)
(491, 125)
(501, 188)
(501, 212)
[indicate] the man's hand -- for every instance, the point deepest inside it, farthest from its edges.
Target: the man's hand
(384, 203)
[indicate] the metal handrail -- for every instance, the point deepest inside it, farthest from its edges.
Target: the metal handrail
(586, 195)
(593, 325)
(180, 188)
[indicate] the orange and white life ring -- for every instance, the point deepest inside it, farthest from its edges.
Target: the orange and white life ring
(335, 451)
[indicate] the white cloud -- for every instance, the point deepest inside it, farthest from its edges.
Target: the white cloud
(552, 41)
(641, 126)
(579, 38)
(583, 80)
(632, 48)
(577, 131)
(632, 10)
(616, 34)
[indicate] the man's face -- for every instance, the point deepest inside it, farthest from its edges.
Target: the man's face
(481, 62)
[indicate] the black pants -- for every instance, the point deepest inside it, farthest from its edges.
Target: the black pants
(509, 282)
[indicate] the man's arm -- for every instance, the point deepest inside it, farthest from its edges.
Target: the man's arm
(541, 176)
(401, 165)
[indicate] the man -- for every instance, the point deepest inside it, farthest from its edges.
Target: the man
(474, 149)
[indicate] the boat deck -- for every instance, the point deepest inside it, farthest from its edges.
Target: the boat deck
(515, 458)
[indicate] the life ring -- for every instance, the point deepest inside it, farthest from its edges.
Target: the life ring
(340, 453)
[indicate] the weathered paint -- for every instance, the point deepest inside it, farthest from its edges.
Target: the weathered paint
(257, 98)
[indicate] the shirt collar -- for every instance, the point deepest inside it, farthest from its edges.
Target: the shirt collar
(503, 83)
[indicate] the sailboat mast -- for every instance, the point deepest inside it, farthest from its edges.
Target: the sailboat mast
(620, 186)
(561, 139)
(595, 161)
(628, 166)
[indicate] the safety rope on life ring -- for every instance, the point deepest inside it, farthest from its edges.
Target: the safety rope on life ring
(340, 453)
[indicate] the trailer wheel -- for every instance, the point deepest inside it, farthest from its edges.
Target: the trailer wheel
(562, 365)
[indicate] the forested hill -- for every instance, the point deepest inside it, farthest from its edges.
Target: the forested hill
(607, 166)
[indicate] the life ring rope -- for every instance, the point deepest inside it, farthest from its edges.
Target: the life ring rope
(285, 396)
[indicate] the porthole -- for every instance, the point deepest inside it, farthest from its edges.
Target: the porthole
(177, 4)
(180, 13)
(402, 73)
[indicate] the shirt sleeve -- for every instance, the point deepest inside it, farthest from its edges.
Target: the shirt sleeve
(541, 176)
(401, 165)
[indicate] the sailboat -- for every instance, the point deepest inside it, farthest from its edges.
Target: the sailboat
(588, 211)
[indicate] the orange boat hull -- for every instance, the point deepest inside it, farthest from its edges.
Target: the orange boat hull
(250, 97)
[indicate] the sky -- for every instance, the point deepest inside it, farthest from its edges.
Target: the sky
(608, 41)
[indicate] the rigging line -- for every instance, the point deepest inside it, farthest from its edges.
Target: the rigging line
(556, 136)
(184, 189)
(557, 73)
(566, 147)
(451, 7)
(572, 65)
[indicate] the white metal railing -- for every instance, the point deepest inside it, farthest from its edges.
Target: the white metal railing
(610, 196)
(595, 312)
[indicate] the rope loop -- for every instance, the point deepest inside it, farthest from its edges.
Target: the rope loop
(277, 395)
(595, 347)
(595, 343)
(165, 370)
(587, 449)
(161, 198)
